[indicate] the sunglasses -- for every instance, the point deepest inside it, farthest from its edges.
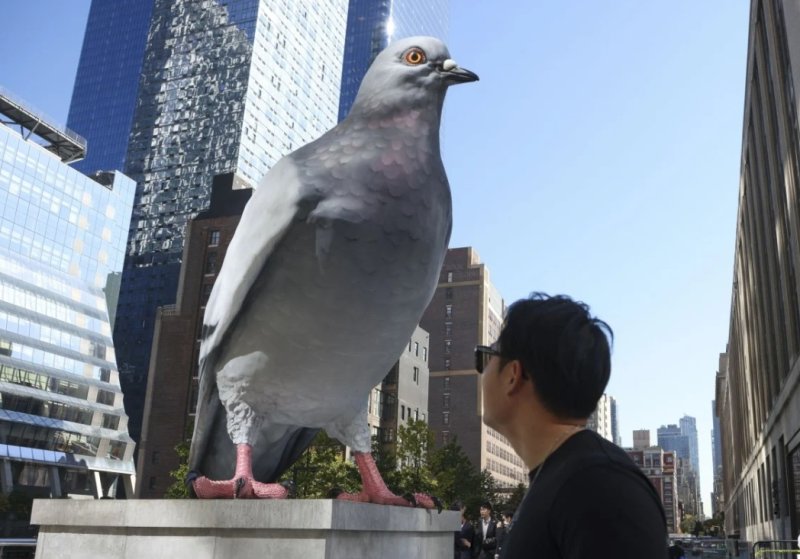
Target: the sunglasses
(483, 353)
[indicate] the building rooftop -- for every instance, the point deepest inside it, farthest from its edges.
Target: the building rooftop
(60, 140)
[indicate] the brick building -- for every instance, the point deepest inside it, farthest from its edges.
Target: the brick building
(466, 310)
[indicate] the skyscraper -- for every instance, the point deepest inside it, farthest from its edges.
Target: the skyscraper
(466, 310)
(689, 429)
(104, 96)
(680, 439)
(62, 242)
(615, 434)
(373, 24)
(227, 86)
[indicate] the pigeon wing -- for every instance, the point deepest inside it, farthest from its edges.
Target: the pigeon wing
(265, 219)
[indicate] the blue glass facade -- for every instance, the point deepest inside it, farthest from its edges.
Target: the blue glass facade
(63, 429)
(225, 86)
(373, 24)
(111, 61)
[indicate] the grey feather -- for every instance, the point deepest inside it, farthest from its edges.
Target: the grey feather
(335, 258)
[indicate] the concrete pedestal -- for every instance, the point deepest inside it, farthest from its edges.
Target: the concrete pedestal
(292, 529)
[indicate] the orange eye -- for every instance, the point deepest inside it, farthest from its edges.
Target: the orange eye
(415, 56)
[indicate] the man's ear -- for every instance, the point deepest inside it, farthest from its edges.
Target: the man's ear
(515, 379)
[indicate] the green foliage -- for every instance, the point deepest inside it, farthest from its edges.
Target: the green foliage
(415, 443)
(687, 524)
(321, 468)
(179, 489)
(514, 499)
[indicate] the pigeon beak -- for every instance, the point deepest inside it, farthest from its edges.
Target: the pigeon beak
(453, 73)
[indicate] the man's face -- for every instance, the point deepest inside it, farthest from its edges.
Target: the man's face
(493, 403)
(485, 513)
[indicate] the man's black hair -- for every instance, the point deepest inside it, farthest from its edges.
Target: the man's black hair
(486, 505)
(562, 348)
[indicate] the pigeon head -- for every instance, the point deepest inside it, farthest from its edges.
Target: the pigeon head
(410, 72)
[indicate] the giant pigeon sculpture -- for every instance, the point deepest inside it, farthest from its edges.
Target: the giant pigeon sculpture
(335, 259)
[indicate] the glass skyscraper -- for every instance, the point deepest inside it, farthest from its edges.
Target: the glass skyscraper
(226, 86)
(373, 24)
(104, 96)
(63, 429)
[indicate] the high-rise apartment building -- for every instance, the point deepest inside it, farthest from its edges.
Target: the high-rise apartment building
(373, 24)
(641, 439)
(226, 86)
(758, 387)
(601, 419)
(466, 310)
(403, 393)
(63, 429)
(615, 434)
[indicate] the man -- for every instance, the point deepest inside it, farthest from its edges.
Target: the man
(464, 537)
(502, 531)
(540, 382)
(486, 533)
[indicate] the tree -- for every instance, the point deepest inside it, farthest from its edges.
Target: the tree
(456, 477)
(415, 442)
(321, 468)
(179, 489)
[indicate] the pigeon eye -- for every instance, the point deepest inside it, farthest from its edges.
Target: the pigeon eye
(414, 56)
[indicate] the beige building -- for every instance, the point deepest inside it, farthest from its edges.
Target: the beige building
(758, 383)
(641, 439)
(466, 310)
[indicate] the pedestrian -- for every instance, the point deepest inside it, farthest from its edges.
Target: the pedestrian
(540, 382)
(503, 528)
(465, 536)
(486, 533)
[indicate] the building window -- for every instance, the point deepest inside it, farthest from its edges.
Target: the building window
(445, 418)
(402, 412)
(213, 239)
(416, 414)
(448, 311)
(447, 364)
(416, 375)
(154, 457)
(449, 277)
(211, 263)
(447, 344)
(105, 397)
(110, 421)
(445, 437)
(207, 287)
(446, 382)
(448, 329)
(425, 354)
(448, 293)
(416, 349)
(152, 483)
(446, 401)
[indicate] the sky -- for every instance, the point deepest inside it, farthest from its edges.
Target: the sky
(598, 157)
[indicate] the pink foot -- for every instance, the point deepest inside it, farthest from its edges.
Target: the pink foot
(237, 488)
(375, 490)
(242, 486)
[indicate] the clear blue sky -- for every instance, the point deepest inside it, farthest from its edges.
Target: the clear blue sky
(598, 157)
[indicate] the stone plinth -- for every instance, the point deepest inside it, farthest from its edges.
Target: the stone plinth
(292, 529)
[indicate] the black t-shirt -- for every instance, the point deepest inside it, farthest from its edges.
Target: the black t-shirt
(590, 500)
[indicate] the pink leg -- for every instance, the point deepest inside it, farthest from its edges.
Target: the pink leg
(242, 486)
(374, 489)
